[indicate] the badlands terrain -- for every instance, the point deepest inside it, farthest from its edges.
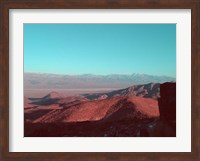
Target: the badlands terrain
(137, 111)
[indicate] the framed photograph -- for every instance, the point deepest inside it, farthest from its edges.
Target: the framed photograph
(100, 80)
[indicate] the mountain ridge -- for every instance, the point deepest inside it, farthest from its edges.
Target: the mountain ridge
(88, 81)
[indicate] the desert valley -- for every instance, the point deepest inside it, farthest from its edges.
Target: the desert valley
(139, 110)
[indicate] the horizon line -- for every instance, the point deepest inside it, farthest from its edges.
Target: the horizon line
(25, 72)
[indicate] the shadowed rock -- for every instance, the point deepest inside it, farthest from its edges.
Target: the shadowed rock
(166, 125)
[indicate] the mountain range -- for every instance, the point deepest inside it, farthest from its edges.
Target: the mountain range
(88, 81)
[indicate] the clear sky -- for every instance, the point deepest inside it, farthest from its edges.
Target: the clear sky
(100, 49)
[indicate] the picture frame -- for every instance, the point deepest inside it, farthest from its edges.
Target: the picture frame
(194, 5)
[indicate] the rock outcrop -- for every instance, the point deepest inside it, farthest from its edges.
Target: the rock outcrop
(166, 125)
(167, 103)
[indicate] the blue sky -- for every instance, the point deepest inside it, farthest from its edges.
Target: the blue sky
(100, 49)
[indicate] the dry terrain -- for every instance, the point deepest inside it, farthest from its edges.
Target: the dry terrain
(131, 111)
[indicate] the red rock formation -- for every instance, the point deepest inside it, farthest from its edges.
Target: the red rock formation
(167, 102)
(166, 125)
(116, 116)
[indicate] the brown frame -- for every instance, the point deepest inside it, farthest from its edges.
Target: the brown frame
(5, 5)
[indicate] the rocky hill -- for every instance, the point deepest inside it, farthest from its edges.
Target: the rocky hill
(124, 114)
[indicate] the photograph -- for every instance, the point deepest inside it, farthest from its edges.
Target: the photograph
(99, 80)
(110, 80)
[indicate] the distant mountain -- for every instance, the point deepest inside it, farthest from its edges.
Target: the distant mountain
(88, 81)
(52, 95)
(150, 90)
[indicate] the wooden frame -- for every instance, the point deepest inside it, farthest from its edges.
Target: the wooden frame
(5, 5)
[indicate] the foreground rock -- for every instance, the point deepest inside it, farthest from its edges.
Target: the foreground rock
(166, 125)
